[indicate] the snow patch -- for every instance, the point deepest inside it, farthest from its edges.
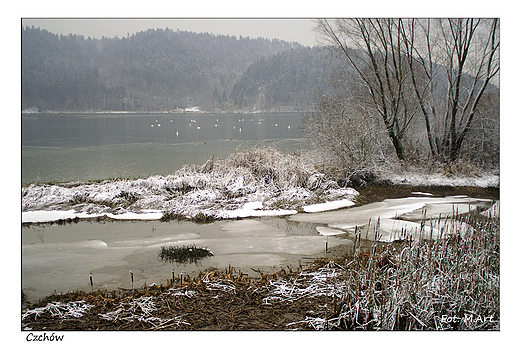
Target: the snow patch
(40, 216)
(193, 109)
(319, 207)
(418, 179)
(251, 209)
(47, 216)
(151, 215)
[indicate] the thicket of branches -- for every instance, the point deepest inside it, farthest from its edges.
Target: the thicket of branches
(411, 91)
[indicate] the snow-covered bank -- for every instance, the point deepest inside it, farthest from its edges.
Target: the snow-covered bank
(54, 215)
(418, 179)
(256, 182)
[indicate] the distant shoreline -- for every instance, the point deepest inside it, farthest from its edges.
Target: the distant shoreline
(159, 112)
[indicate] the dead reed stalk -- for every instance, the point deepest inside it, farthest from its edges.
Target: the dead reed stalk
(444, 284)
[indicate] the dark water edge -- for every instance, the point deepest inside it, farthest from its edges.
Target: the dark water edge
(378, 193)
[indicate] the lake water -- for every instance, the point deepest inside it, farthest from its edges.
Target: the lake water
(99, 146)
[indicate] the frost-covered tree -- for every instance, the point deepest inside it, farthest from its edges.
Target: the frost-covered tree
(373, 48)
(460, 60)
(406, 70)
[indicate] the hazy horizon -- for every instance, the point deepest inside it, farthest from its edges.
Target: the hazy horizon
(287, 29)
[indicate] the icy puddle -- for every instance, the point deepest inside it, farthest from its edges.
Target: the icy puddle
(60, 257)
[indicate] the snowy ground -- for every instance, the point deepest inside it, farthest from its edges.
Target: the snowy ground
(419, 179)
(252, 183)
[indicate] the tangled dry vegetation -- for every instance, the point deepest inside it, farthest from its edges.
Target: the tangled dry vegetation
(201, 193)
(215, 300)
(444, 284)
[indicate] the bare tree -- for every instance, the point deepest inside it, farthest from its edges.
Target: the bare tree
(438, 68)
(374, 48)
(462, 56)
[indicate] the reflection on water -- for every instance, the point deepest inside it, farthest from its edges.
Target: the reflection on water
(89, 147)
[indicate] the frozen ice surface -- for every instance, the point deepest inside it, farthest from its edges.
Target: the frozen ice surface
(63, 261)
(327, 231)
(249, 227)
(395, 218)
(448, 206)
(389, 230)
(319, 207)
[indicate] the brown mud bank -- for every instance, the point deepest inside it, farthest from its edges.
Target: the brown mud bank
(214, 301)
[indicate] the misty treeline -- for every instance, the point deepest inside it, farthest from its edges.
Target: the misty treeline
(165, 70)
(419, 92)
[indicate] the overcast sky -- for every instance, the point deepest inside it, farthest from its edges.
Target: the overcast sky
(299, 30)
(297, 25)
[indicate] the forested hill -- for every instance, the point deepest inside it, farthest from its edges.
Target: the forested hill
(165, 70)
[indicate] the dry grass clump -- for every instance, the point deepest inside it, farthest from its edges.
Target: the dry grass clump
(261, 173)
(270, 166)
(444, 284)
(183, 254)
